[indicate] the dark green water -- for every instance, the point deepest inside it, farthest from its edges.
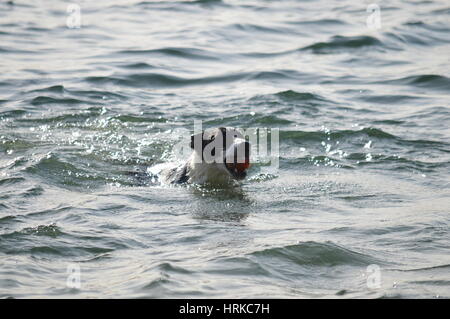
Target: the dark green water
(364, 149)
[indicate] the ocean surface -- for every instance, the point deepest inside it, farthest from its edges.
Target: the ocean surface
(357, 208)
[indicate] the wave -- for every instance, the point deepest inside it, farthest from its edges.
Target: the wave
(320, 22)
(289, 102)
(51, 230)
(51, 89)
(95, 169)
(431, 81)
(252, 28)
(60, 89)
(388, 122)
(179, 52)
(53, 241)
(419, 33)
(316, 254)
(32, 192)
(394, 98)
(12, 114)
(57, 250)
(186, 2)
(43, 230)
(7, 218)
(250, 120)
(139, 119)
(397, 163)
(11, 180)
(137, 65)
(291, 95)
(15, 144)
(165, 80)
(63, 173)
(63, 118)
(435, 26)
(46, 100)
(322, 135)
(340, 43)
(6, 50)
(430, 268)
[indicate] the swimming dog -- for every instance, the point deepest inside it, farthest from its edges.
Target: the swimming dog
(220, 155)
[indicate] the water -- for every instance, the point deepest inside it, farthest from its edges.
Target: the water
(358, 207)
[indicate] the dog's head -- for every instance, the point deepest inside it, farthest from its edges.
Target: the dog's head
(224, 147)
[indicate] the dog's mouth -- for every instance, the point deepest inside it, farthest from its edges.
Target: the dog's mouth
(238, 170)
(237, 159)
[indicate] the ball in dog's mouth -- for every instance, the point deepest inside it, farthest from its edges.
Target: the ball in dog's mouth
(238, 170)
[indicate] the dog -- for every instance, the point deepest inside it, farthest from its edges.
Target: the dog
(219, 156)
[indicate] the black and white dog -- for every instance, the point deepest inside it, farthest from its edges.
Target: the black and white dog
(220, 155)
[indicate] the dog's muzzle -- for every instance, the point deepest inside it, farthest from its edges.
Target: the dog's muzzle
(237, 159)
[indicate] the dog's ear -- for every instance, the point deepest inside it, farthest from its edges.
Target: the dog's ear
(197, 140)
